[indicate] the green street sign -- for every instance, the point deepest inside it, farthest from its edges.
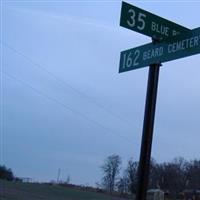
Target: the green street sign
(180, 46)
(148, 24)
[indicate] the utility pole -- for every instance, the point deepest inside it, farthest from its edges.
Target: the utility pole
(58, 176)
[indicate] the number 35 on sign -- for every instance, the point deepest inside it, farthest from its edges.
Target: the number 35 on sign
(144, 22)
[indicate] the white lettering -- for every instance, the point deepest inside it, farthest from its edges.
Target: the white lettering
(152, 53)
(196, 41)
(174, 33)
(159, 28)
(184, 44)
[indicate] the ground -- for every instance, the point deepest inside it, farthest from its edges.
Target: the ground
(35, 191)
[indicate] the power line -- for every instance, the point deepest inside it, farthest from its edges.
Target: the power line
(36, 64)
(108, 130)
(1, 88)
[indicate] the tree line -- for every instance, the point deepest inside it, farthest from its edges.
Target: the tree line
(6, 173)
(172, 177)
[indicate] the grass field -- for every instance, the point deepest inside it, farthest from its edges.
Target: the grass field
(34, 191)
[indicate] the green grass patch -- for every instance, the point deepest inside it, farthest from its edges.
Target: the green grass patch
(35, 191)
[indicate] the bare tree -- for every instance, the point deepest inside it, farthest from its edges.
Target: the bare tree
(123, 184)
(193, 174)
(111, 169)
(6, 173)
(131, 173)
(170, 176)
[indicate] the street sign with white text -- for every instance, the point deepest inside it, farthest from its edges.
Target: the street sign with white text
(148, 24)
(180, 46)
(170, 41)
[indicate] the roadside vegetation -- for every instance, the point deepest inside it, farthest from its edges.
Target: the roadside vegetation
(173, 178)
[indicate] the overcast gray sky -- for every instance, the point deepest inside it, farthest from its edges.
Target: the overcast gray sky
(64, 104)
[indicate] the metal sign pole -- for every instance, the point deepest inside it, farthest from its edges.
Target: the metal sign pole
(147, 135)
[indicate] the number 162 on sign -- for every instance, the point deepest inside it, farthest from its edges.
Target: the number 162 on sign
(130, 59)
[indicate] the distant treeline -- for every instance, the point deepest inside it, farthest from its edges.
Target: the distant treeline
(172, 177)
(6, 173)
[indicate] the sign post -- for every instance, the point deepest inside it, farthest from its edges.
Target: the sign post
(170, 41)
(147, 135)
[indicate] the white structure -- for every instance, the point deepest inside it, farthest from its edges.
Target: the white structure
(155, 194)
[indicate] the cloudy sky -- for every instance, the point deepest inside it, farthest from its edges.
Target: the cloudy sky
(64, 104)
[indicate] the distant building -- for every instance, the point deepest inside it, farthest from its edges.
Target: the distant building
(27, 180)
